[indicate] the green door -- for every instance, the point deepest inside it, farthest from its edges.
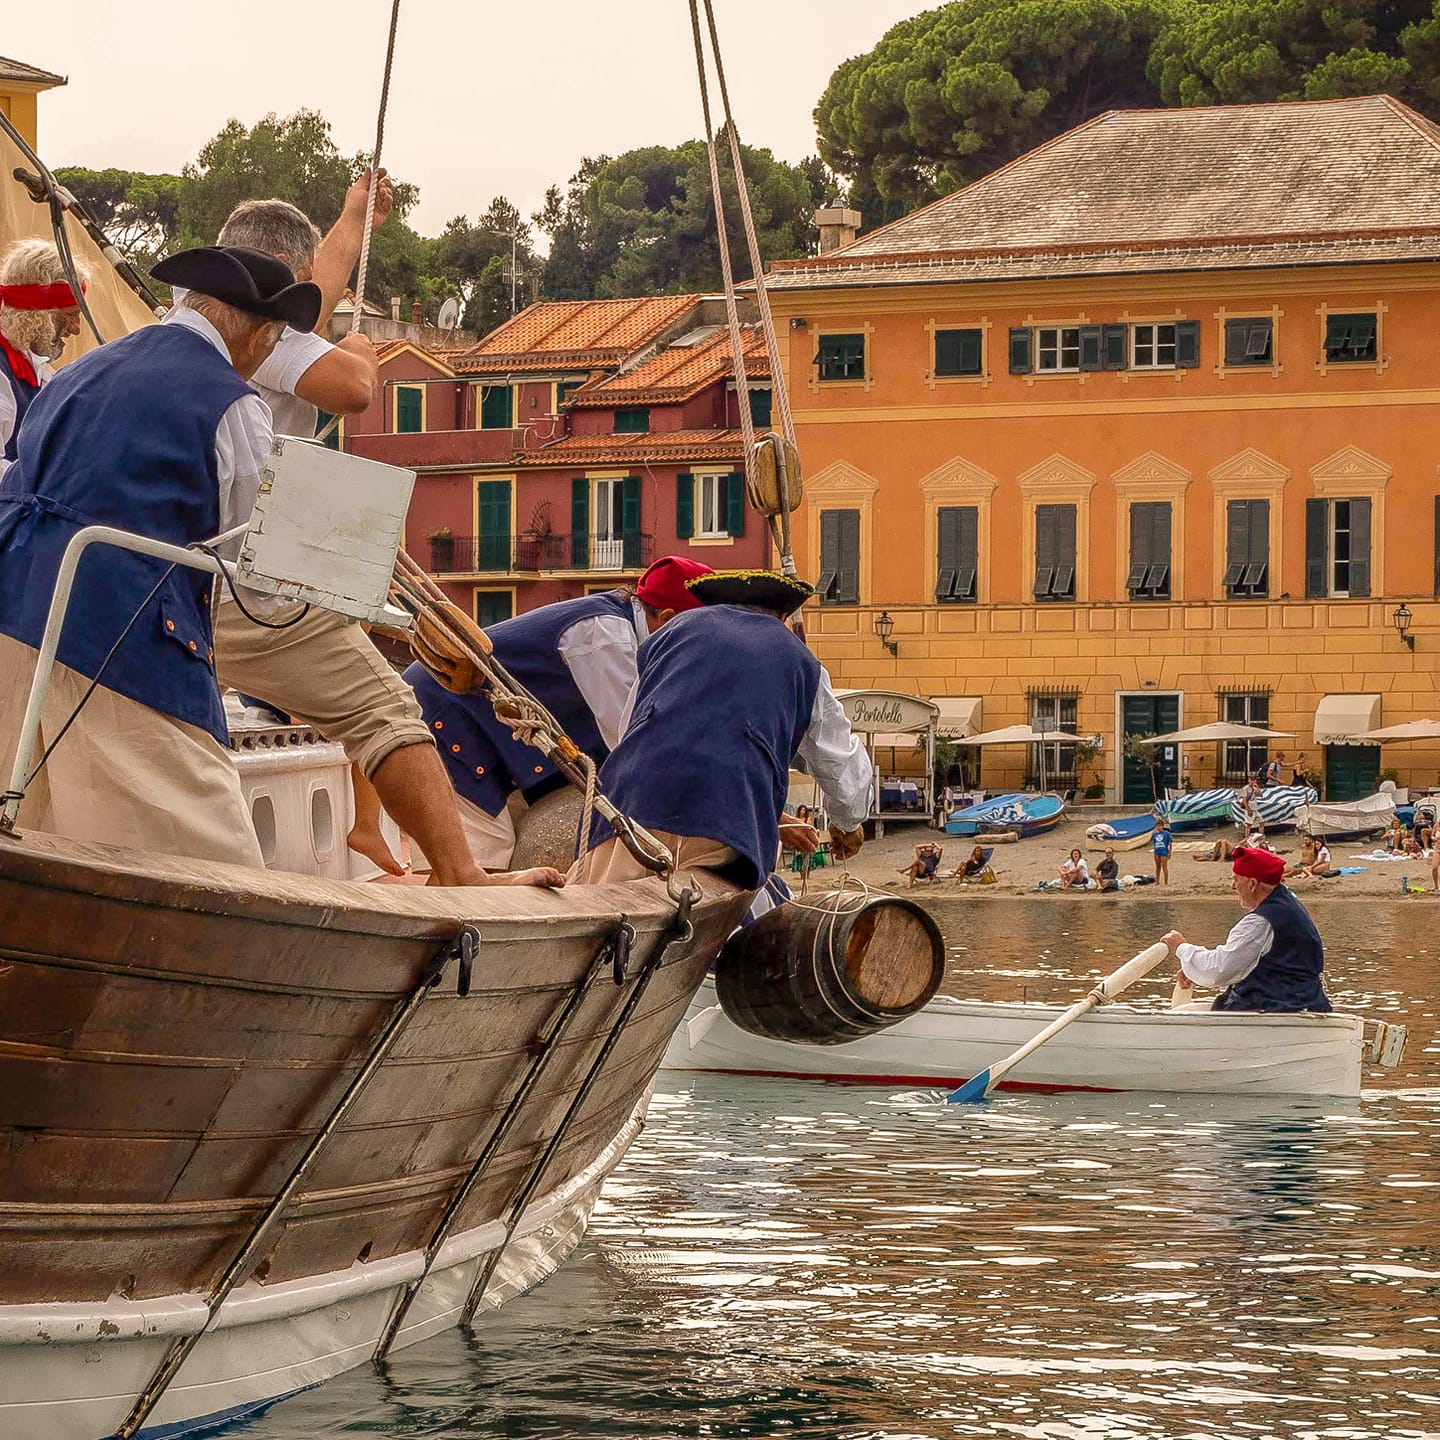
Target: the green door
(1150, 715)
(1351, 771)
(492, 543)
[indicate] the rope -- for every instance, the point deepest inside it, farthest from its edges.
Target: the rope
(375, 171)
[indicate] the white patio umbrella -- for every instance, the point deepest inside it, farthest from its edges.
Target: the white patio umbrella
(1024, 735)
(1409, 730)
(1217, 730)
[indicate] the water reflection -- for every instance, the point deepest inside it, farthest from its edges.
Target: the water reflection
(780, 1259)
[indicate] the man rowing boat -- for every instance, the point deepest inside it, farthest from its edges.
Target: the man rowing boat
(1273, 957)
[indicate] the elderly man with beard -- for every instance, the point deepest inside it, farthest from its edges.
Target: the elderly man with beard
(38, 313)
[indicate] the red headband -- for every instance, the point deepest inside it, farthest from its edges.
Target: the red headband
(39, 297)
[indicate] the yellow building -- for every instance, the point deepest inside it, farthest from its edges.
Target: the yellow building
(19, 86)
(1137, 433)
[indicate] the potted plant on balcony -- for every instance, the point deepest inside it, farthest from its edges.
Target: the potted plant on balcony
(1087, 752)
(442, 549)
(534, 540)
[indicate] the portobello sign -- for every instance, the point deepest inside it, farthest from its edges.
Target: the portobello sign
(879, 711)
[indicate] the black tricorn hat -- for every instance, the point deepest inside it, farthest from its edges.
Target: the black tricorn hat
(251, 281)
(768, 589)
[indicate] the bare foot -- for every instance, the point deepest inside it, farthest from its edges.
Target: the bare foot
(540, 875)
(371, 844)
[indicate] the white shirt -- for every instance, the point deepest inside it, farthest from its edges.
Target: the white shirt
(600, 655)
(1076, 868)
(44, 374)
(280, 373)
(1251, 938)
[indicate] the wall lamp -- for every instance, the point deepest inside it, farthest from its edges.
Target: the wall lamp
(1401, 620)
(885, 626)
(798, 322)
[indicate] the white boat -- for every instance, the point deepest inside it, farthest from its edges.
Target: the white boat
(1346, 819)
(1192, 1049)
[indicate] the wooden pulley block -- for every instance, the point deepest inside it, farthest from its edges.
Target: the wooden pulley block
(451, 660)
(771, 458)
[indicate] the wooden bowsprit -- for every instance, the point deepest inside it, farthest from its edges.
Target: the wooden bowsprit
(979, 1087)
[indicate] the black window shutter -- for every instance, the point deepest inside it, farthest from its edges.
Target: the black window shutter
(1091, 357)
(969, 552)
(1046, 519)
(1237, 541)
(1141, 551)
(1360, 548)
(1437, 545)
(947, 551)
(1187, 344)
(1158, 580)
(1022, 343)
(1317, 517)
(1064, 586)
(1116, 345)
(829, 553)
(580, 522)
(847, 576)
(684, 506)
(1236, 332)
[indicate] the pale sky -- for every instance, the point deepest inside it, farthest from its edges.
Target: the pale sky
(486, 98)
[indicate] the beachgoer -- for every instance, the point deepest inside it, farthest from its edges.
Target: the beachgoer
(577, 657)
(1271, 773)
(38, 313)
(974, 866)
(1161, 844)
(1222, 849)
(1272, 958)
(725, 696)
(926, 863)
(1074, 873)
(1395, 834)
(1107, 872)
(1300, 771)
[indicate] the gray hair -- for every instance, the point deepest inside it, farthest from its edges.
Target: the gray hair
(34, 262)
(274, 227)
(233, 323)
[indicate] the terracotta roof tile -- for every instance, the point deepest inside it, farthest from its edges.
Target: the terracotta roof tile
(1237, 186)
(28, 74)
(388, 349)
(575, 334)
(678, 372)
(675, 445)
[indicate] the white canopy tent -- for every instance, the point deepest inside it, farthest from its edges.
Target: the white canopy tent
(888, 719)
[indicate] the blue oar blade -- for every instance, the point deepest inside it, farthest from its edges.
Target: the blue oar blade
(973, 1090)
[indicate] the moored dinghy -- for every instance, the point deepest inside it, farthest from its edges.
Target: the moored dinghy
(1276, 806)
(1197, 810)
(1346, 819)
(1127, 832)
(1027, 816)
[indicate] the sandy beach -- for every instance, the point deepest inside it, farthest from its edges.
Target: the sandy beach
(1020, 866)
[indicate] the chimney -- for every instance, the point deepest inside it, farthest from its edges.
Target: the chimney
(394, 307)
(417, 315)
(838, 225)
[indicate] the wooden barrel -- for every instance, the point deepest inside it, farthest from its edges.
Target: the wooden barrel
(830, 970)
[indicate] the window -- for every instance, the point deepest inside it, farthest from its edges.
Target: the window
(760, 408)
(839, 557)
(615, 523)
(1053, 712)
(958, 352)
(957, 534)
(332, 436)
(1250, 342)
(1239, 759)
(1350, 338)
(1337, 548)
(1057, 349)
(1054, 552)
(563, 390)
(1149, 577)
(633, 421)
(492, 534)
(409, 409)
(493, 606)
(1152, 347)
(497, 410)
(841, 357)
(716, 512)
(1247, 549)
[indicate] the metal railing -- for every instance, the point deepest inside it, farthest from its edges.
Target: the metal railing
(531, 554)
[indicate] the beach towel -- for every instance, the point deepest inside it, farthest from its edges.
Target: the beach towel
(1351, 870)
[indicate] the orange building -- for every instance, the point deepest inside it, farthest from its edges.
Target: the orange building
(1141, 431)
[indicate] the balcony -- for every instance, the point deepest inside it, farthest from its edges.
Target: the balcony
(452, 448)
(540, 554)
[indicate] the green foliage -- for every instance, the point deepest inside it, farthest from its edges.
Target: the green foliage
(139, 212)
(949, 96)
(643, 223)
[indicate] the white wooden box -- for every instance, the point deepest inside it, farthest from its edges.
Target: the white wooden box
(326, 528)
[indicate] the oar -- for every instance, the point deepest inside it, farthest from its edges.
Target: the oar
(1131, 971)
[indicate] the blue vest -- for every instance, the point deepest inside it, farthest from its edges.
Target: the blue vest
(125, 436)
(485, 761)
(24, 392)
(1288, 975)
(723, 700)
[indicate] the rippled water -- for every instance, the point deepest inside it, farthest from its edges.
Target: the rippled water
(786, 1259)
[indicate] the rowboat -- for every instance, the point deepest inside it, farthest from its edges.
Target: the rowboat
(1029, 815)
(1276, 806)
(1127, 832)
(1121, 1047)
(968, 820)
(1346, 819)
(1197, 810)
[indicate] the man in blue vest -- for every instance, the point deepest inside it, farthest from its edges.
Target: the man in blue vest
(142, 434)
(726, 696)
(1272, 959)
(577, 657)
(38, 313)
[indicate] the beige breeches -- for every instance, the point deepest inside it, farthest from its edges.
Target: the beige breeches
(610, 861)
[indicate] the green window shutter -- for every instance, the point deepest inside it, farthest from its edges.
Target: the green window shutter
(684, 506)
(1187, 344)
(1115, 343)
(1091, 350)
(1360, 548)
(947, 557)
(634, 421)
(580, 523)
(1237, 544)
(760, 408)
(630, 521)
(735, 504)
(492, 506)
(492, 606)
(1317, 519)
(409, 409)
(1022, 347)
(847, 580)
(829, 555)
(495, 408)
(957, 352)
(968, 552)
(332, 438)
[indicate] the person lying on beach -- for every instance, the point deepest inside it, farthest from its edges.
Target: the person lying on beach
(1222, 849)
(1074, 873)
(925, 864)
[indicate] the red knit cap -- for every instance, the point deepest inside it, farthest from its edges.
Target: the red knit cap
(662, 586)
(1262, 865)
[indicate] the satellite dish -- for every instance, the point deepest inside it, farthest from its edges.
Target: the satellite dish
(450, 314)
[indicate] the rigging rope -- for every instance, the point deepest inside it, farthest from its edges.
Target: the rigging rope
(364, 270)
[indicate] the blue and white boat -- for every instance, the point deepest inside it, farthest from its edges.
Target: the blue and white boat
(1026, 816)
(968, 820)
(1125, 832)
(1276, 806)
(1196, 811)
